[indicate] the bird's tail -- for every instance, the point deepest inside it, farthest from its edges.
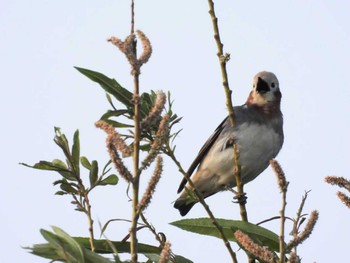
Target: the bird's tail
(184, 205)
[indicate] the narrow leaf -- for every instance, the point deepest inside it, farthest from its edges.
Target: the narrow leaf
(117, 124)
(103, 247)
(85, 162)
(113, 113)
(93, 173)
(204, 226)
(109, 85)
(110, 180)
(74, 246)
(76, 151)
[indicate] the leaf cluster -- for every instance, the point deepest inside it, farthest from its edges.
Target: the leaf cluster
(71, 181)
(61, 246)
(126, 109)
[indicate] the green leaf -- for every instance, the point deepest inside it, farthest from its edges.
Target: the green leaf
(68, 188)
(110, 180)
(93, 173)
(109, 85)
(55, 165)
(113, 113)
(204, 226)
(85, 162)
(103, 246)
(76, 151)
(60, 193)
(60, 164)
(74, 246)
(62, 247)
(117, 124)
(61, 140)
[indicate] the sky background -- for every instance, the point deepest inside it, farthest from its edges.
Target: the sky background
(305, 43)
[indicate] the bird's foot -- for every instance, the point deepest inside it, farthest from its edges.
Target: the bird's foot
(240, 198)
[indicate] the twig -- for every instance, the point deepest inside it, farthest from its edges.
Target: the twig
(295, 230)
(240, 192)
(132, 17)
(283, 186)
(170, 153)
(90, 221)
(282, 225)
(222, 59)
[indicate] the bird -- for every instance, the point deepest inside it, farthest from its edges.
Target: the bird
(258, 135)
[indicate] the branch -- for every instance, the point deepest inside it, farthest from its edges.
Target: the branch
(223, 58)
(170, 153)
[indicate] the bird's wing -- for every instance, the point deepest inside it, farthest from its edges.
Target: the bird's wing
(202, 153)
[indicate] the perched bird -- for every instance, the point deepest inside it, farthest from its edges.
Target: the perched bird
(258, 134)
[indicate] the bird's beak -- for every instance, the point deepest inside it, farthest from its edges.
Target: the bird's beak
(262, 87)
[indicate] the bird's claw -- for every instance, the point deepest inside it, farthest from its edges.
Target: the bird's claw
(240, 198)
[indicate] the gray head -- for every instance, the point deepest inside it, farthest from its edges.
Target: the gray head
(265, 91)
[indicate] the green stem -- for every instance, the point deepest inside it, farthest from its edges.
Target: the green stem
(90, 221)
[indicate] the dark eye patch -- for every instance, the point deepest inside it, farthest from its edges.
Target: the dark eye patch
(273, 84)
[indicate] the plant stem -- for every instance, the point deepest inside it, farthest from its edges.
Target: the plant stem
(282, 226)
(170, 153)
(240, 192)
(136, 178)
(132, 17)
(223, 59)
(90, 221)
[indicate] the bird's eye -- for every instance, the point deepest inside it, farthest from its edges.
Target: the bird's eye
(273, 84)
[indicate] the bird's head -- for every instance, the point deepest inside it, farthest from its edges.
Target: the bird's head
(266, 92)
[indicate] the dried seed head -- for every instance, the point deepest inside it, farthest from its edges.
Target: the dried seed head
(166, 253)
(115, 138)
(306, 232)
(281, 178)
(258, 251)
(115, 143)
(147, 196)
(147, 47)
(339, 181)
(128, 47)
(155, 112)
(344, 198)
(159, 140)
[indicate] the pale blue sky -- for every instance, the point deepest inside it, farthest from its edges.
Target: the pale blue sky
(306, 43)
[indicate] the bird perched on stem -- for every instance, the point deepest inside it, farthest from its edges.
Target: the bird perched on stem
(258, 134)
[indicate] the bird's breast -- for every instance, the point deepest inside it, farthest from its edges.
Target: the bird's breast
(257, 145)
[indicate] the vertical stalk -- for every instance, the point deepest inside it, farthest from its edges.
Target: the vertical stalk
(136, 178)
(90, 221)
(223, 59)
(282, 214)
